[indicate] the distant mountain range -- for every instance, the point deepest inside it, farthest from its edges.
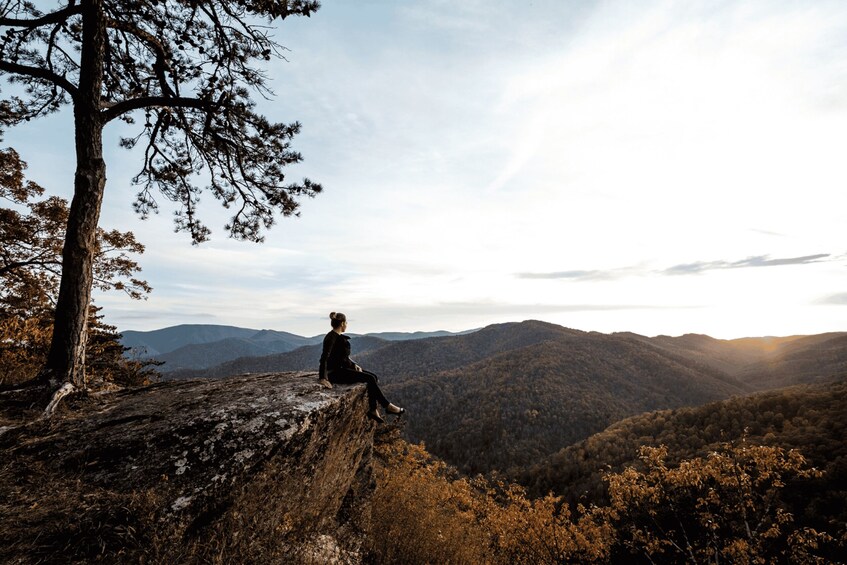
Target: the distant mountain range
(304, 358)
(508, 396)
(398, 359)
(200, 346)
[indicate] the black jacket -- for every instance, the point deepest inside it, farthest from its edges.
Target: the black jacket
(335, 354)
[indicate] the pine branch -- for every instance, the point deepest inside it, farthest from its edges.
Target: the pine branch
(43, 74)
(155, 101)
(59, 16)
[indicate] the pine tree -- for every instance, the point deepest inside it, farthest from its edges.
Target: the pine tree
(31, 236)
(189, 69)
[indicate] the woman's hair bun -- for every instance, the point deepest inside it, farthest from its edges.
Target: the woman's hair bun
(337, 319)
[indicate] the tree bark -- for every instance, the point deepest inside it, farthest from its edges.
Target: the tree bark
(66, 360)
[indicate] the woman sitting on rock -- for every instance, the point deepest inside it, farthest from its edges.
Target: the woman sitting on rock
(337, 367)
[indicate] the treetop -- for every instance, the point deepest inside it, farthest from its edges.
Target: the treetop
(185, 72)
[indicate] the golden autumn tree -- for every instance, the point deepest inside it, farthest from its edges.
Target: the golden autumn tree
(723, 508)
(420, 514)
(31, 236)
(424, 512)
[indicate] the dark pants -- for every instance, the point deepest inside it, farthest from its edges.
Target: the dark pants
(351, 376)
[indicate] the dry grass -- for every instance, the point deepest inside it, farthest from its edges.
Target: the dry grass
(52, 518)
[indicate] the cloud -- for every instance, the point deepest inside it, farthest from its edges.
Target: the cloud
(681, 269)
(472, 307)
(838, 299)
(156, 315)
(573, 275)
(586, 275)
(143, 319)
(757, 261)
(768, 232)
(500, 308)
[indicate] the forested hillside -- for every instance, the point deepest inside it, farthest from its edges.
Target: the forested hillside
(415, 359)
(809, 418)
(763, 362)
(729, 356)
(514, 408)
(807, 360)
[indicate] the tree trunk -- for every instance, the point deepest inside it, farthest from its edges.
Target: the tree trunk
(66, 360)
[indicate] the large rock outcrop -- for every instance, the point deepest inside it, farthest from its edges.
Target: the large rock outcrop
(265, 468)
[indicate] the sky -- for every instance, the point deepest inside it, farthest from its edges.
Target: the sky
(647, 166)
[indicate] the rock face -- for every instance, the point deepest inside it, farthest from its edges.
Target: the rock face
(259, 468)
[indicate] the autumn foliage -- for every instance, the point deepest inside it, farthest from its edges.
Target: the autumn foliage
(723, 508)
(31, 236)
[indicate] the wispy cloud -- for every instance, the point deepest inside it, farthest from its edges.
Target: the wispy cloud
(137, 318)
(572, 275)
(757, 261)
(767, 232)
(484, 307)
(586, 275)
(681, 269)
(839, 298)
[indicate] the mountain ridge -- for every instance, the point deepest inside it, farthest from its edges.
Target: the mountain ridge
(304, 358)
(201, 346)
(164, 340)
(508, 409)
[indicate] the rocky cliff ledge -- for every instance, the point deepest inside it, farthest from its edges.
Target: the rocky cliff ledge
(265, 468)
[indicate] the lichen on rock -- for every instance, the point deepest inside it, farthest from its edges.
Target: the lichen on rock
(253, 468)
